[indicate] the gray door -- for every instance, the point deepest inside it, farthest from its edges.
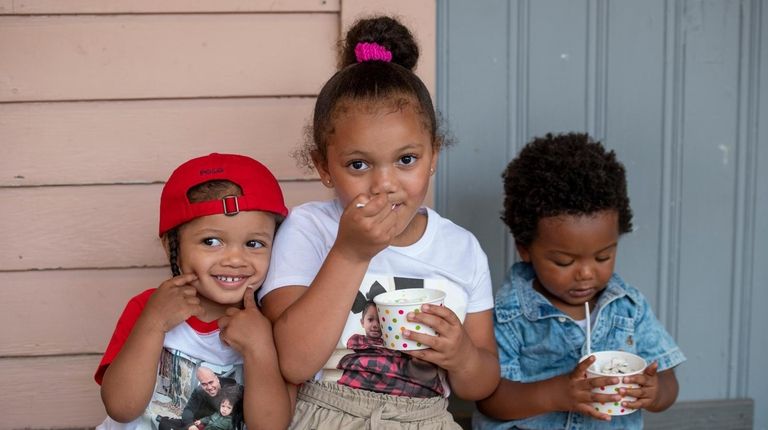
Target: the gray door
(679, 89)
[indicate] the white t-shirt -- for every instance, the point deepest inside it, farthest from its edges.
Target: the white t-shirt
(178, 396)
(447, 257)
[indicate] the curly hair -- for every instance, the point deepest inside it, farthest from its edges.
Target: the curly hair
(566, 174)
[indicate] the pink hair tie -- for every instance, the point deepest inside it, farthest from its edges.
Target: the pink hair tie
(365, 51)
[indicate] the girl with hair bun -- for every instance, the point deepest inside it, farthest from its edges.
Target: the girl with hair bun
(375, 142)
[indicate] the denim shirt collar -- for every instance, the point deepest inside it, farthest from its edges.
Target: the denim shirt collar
(535, 306)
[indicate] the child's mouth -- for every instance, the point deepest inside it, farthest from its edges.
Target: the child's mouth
(231, 282)
(229, 279)
(582, 293)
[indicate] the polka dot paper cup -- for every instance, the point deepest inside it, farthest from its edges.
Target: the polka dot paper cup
(606, 364)
(394, 306)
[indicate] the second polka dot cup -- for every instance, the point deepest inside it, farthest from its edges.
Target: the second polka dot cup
(606, 364)
(394, 306)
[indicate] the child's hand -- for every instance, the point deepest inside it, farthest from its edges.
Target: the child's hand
(578, 395)
(451, 348)
(247, 329)
(173, 302)
(367, 226)
(648, 390)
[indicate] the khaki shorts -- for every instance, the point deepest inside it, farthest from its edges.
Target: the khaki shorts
(328, 405)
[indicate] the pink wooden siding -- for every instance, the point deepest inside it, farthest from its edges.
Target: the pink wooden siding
(99, 100)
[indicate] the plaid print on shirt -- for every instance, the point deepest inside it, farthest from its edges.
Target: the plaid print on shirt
(373, 367)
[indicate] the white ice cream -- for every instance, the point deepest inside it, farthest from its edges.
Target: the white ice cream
(616, 366)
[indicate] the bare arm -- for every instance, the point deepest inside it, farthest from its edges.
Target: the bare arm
(478, 376)
(266, 400)
(307, 322)
(128, 381)
(304, 336)
(126, 388)
(668, 390)
(514, 400)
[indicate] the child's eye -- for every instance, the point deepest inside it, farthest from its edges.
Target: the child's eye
(254, 244)
(563, 263)
(602, 258)
(211, 241)
(407, 159)
(357, 164)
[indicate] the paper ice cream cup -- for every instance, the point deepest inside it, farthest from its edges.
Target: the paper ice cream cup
(616, 364)
(394, 306)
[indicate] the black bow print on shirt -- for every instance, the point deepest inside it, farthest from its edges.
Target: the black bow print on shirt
(400, 284)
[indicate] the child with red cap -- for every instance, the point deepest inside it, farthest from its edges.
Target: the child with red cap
(198, 338)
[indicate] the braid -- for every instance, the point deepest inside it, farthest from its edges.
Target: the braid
(173, 251)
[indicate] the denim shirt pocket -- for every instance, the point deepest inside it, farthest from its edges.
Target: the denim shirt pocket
(621, 336)
(543, 353)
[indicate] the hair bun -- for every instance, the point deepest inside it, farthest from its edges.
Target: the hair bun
(386, 32)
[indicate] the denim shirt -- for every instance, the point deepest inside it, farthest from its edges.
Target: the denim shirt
(537, 341)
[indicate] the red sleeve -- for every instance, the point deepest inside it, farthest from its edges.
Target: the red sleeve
(122, 330)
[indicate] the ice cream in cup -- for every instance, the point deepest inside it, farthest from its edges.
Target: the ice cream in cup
(616, 364)
(394, 306)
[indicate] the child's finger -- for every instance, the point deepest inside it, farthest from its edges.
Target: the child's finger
(359, 202)
(422, 338)
(642, 379)
(191, 297)
(652, 369)
(602, 381)
(369, 205)
(223, 322)
(428, 355)
(249, 301)
(189, 292)
(197, 309)
(443, 312)
(435, 322)
(637, 392)
(230, 312)
(183, 279)
(386, 214)
(580, 371)
(605, 397)
(590, 411)
(637, 404)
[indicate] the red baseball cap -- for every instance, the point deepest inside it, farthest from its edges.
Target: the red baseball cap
(261, 191)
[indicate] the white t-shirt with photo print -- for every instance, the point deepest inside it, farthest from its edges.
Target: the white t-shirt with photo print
(447, 257)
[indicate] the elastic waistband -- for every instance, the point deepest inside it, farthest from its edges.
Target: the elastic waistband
(368, 404)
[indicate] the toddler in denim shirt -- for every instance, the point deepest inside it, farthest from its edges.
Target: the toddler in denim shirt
(566, 204)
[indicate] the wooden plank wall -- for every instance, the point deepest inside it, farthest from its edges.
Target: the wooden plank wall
(99, 101)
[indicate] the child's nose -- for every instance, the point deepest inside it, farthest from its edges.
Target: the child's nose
(234, 257)
(383, 181)
(586, 272)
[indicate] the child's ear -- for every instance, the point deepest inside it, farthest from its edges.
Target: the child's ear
(525, 255)
(321, 165)
(433, 165)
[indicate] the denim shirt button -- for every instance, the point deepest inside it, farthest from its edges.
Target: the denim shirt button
(561, 319)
